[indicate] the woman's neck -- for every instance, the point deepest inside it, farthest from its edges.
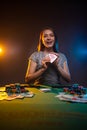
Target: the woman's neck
(48, 50)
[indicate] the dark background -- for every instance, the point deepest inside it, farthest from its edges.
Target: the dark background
(20, 25)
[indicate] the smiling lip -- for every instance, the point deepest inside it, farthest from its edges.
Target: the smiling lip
(49, 42)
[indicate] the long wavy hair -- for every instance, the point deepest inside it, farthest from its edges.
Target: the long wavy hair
(41, 46)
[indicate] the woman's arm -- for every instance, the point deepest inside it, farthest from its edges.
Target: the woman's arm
(32, 74)
(64, 72)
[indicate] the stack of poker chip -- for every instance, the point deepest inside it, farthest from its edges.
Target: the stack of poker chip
(8, 89)
(76, 89)
(22, 88)
(15, 88)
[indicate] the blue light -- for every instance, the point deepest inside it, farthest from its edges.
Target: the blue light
(80, 52)
(83, 52)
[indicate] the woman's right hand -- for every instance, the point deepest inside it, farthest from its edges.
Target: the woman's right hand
(45, 62)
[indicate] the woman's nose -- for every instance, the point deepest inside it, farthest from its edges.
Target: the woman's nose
(48, 37)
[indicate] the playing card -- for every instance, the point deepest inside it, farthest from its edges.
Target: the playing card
(52, 57)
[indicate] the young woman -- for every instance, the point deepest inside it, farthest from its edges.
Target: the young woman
(40, 68)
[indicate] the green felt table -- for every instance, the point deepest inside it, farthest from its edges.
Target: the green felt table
(43, 111)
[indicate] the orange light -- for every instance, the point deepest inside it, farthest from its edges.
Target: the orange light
(0, 50)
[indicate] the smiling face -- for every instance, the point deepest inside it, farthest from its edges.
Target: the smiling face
(48, 38)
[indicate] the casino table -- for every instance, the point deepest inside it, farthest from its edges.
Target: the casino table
(41, 112)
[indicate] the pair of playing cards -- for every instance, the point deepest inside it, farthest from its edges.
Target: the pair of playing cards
(52, 57)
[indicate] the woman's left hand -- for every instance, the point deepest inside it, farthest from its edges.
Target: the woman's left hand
(57, 59)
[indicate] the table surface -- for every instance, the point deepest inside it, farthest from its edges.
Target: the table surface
(43, 111)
